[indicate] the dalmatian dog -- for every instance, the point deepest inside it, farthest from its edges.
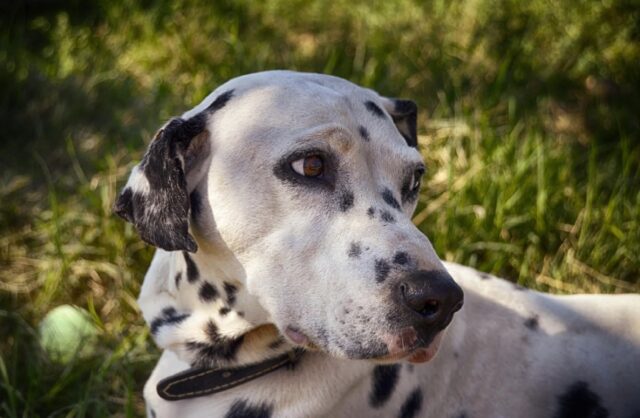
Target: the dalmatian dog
(289, 280)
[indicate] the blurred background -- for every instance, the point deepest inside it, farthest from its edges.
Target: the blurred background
(529, 124)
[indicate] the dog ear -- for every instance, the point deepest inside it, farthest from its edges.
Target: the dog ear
(405, 114)
(156, 197)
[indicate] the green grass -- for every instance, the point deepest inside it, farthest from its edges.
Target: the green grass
(529, 126)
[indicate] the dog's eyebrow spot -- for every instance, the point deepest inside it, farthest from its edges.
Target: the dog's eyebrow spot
(412, 404)
(382, 269)
(387, 217)
(401, 258)
(220, 101)
(178, 278)
(241, 409)
(371, 212)
(168, 316)
(231, 291)
(354, 250)
(346, 201)
(532, 323)
(387, 196)
(192, 270)
(208, 292)
(384, 382)
(364, 133)
(374, 108)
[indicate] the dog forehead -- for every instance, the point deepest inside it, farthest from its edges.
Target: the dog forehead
(274, 109)
(286, 90)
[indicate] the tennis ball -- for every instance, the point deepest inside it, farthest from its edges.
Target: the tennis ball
(67, 332)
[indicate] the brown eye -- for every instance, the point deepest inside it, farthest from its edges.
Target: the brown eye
(311, 166)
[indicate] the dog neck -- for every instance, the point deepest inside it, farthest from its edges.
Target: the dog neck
(195, 306)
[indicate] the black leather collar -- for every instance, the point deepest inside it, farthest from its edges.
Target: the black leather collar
(192, 383)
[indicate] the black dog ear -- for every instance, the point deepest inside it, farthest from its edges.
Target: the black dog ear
(405, 115)
(156, 197)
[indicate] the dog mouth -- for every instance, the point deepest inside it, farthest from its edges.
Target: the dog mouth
(404, 346)
(407, 346)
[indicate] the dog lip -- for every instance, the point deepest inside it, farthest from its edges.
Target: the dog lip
(296, 336)
(416, 352)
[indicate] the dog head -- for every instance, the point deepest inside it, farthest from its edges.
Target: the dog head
(309, 182)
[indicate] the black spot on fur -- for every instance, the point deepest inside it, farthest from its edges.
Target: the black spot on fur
(384, 383)
(354, 250)
(212, 331)
(371, 212)
(231, 291)
(220, 101)
(387, 196)
(374, 108)
(217, 348)
(152, 413)
(224, 311)
(484, 276)
(364, 133)
(387, 217)
(382, 269)
(346, 201)
(412, 404)
(196, 203)
(580, 402)
(401, 258)
(208, 292)
(192, 270)
(178, 279)
(532, 323)
(168, 316)
(242, 409)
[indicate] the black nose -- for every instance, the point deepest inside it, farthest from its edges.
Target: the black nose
(432, 294)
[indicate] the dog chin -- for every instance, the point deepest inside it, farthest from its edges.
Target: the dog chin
(403, 348)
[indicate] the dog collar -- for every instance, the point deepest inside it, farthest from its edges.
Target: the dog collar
(195, 382)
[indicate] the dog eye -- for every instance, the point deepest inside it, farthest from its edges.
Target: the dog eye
(310, 166)
(417, 179)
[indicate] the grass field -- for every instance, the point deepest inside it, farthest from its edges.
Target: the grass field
(530, 126)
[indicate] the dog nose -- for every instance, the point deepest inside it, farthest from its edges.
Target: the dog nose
(432, 294)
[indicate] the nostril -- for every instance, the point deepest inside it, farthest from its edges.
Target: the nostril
(458, 306)
(430, 308)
